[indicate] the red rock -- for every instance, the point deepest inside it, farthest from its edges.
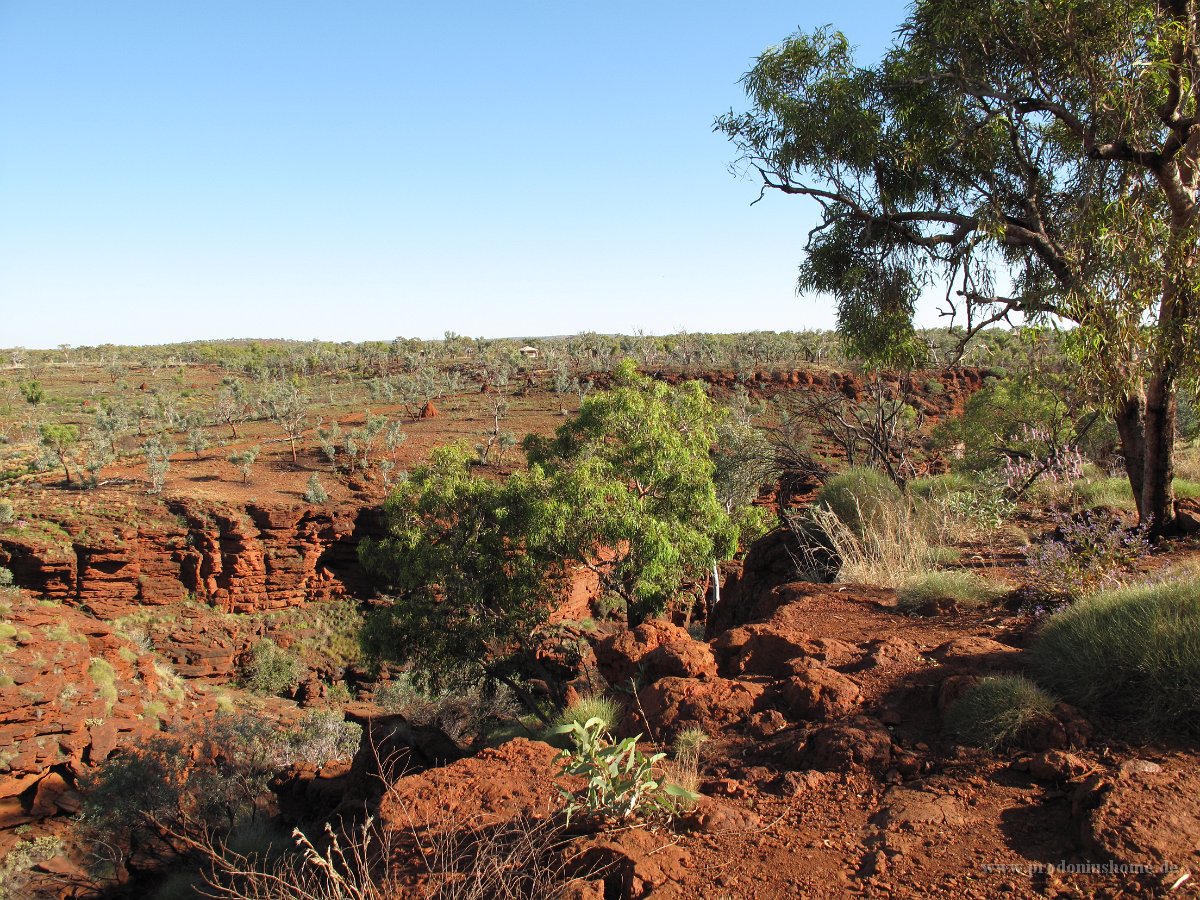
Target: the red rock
(625, 656)
(820, 693)
(857, 743)
(978, 656)
(673, 704)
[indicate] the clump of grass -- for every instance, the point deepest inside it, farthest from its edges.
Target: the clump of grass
(936, 486)
(1109, 493)
(105, 678)
(939, 590)
(998, 711)
(1187, 488)
(859, 497)
(899, 543)
(1131, 654)
(593, 706)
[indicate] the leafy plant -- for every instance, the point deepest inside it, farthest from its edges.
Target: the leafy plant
(620, 780)
(1088, 549)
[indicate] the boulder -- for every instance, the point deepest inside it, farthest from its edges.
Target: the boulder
(857, 743)
(673, 704)
(820, 693)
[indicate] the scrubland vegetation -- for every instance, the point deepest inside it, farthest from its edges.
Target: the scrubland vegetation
(1041, 495)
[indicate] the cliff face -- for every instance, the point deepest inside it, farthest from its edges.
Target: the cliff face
(112, 560)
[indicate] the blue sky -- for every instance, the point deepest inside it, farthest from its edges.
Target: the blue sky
(361, 170)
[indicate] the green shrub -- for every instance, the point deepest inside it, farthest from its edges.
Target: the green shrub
(859, 497)
(7, 515)
(315, 492)
(593, 706)
(620, 782)
(934, 591)
(271, 669)
(6, 577)
(1131, 654)
(16, 866)
(997, 711)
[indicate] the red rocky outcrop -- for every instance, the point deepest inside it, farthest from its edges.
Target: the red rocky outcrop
(113, 556)
(71, 692)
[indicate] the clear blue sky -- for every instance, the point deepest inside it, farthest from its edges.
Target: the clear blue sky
(366, 169)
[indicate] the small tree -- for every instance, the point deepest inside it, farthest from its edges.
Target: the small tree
(244, 460)
(466, 564)
(287, 406)
(315, 492)
(158, 462)
(631, 490)
(60, 440)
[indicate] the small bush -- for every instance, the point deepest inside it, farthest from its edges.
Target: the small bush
(321, 737)
(271, 669)
(937, 591)
(1087, 550)
(7, 514)
(463, 714)
(16, 866)
(997, 711)
(315, 492)
(6, 577)
(859, 497)
(620, 782)
(1131, 654)
(595, 706)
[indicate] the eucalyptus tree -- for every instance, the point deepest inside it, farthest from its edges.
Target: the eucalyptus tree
(1040, 158)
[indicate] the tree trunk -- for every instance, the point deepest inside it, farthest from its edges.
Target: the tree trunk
(1157, 504)
(1130, 419)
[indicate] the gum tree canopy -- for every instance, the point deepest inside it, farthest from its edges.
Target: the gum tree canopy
(1042, 157)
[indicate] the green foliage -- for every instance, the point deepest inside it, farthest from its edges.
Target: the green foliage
(32, 392)
(270, 669)
(475, 565)
(937, 591)
(592, 706)
(7, 515)
(17, 864)
(1031, 145)
(315, 492)
(859, 497)
(629, 489)
(995, 419)
(466, 561)
(1131, 654)
(620, 780)
(6, 577)
(996, 712)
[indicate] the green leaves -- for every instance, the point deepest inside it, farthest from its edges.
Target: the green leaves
(628, 489)
(619, 780)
